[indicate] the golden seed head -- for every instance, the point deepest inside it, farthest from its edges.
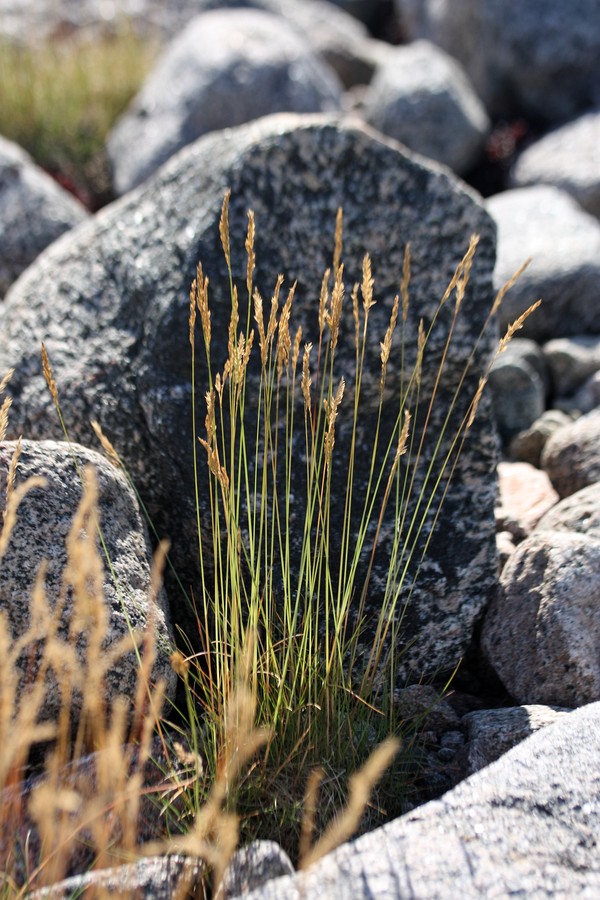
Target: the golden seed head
(506, 287)
(108, 448)
(250, 252)
(331, 410)
(179, 664)
(386, 344)
(476, 401)
(516, 326)
(4, 416)
(5, 380)
(324, 301)
(337, 297)
(367, 284)
(296, 348)
(47, 369)
(306, 377)
(224, 228)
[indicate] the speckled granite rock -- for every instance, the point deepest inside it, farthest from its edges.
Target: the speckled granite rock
(154, 878)
(542, 631)
(43, 523)
(114, 315)
(579, 512)
(493, 732)
(34, 212)
(571, 455)
(526, 825)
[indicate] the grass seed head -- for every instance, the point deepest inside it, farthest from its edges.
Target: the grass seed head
(224, 228)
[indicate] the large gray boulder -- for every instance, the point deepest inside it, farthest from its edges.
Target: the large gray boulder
(112, 306)
(420, 96)
(34, 212)
(525, 826)
(44, 520)
(541, 58)
(563, 241)
(569, 158)
(542, 631)
(571, 455)
(226, 68)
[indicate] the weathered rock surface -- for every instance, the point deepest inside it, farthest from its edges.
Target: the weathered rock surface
(587, 398)
(541, 633)
(43, 522)
(34, 212)
(154, 878)
(114, 311)
(571, 455)
(493, 732)
(525, 495)
(528, 824)
(253, 866)
(540, 58)
(580, 512)
(571, 361)
(569, 158)
(546, 224)
(226, 68)
(529, 444)
(421, 97)
(518, 383)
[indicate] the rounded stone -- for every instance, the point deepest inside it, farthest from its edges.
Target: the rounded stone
(226, 68)
(420, 96)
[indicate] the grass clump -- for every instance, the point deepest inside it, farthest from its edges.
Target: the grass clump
(285, 609)
(294, 688)
(59, 100)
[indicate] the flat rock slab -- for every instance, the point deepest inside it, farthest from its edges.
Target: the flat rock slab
(112, 305)
(527, 826)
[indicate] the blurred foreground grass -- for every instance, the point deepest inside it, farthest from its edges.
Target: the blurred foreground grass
(58, 101)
